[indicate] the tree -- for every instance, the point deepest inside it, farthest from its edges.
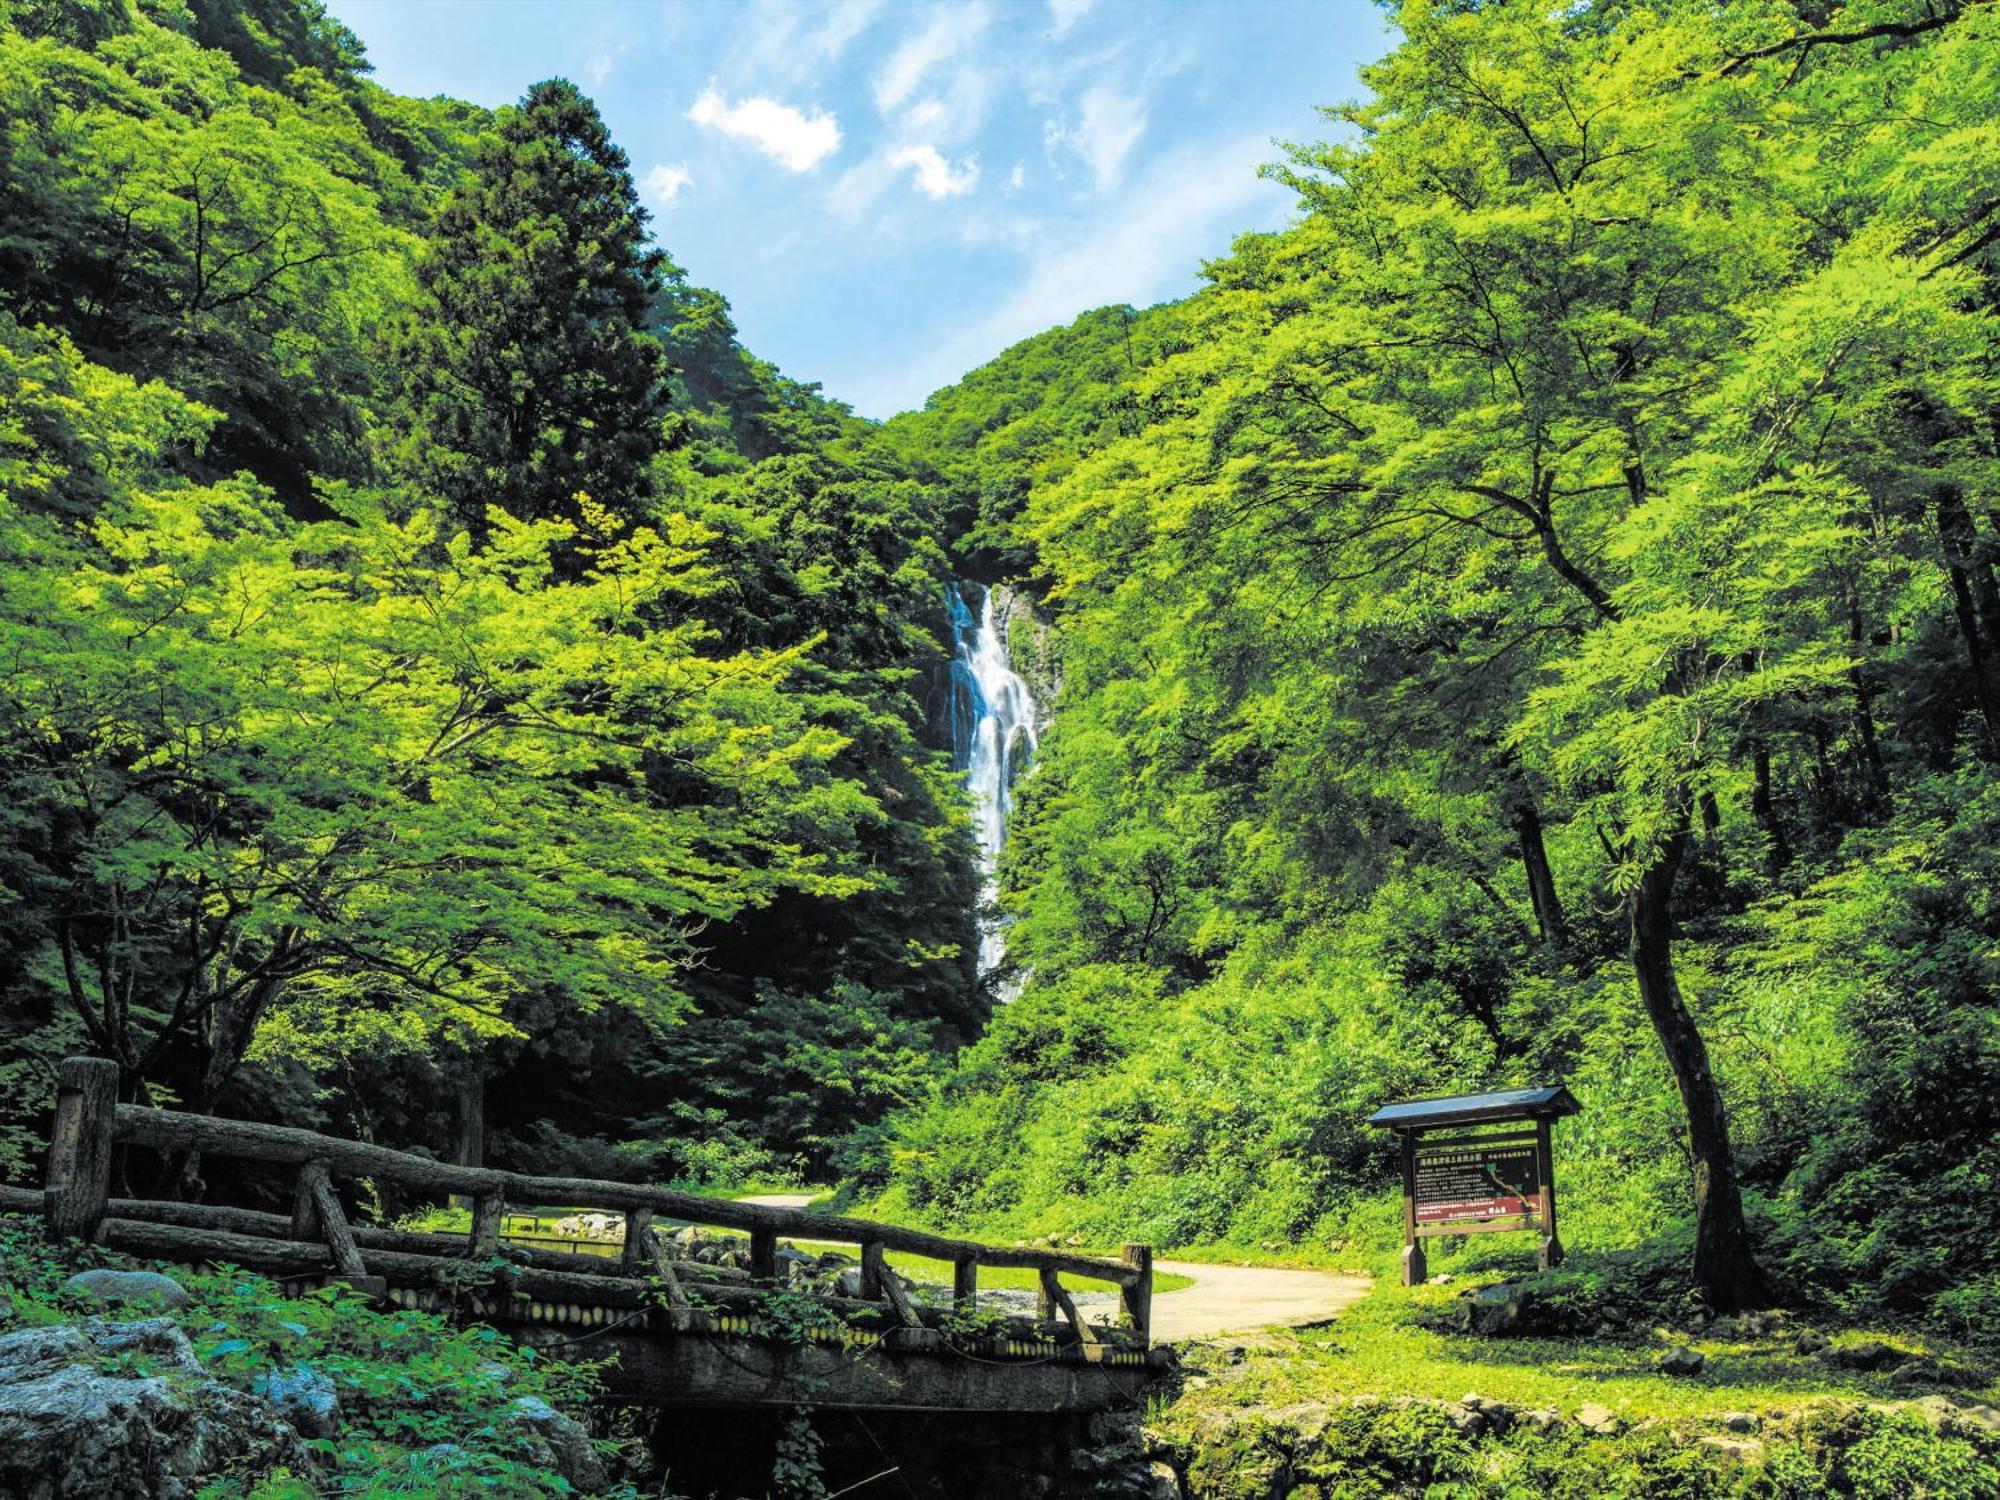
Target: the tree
(529, 377)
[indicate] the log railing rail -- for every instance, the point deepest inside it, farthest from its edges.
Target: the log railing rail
(317, 1238)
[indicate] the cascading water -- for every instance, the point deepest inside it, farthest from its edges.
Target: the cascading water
(992, 742)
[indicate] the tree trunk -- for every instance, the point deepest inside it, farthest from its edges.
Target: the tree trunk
(1764, 807)
(1724, 1268)
(1976, 603)
(468, 1146)
(1542, 893)
(1864, 721)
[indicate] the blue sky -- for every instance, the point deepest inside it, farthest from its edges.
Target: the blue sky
(890, 192)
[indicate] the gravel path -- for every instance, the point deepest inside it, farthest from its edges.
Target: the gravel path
(1237, 1299)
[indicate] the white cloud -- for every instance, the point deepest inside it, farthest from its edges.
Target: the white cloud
(791, 41)
(1018, 178)
(952, 29)
(1109, 124)
(796, 141)
(854, 192)
(662, 183)
(934, 176)
(1183, 208)
(1066, 13)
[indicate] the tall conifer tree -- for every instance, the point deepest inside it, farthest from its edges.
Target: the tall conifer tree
(529, 377)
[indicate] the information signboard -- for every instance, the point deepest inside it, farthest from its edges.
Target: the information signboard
(1476, 1182)
(1477, 1163)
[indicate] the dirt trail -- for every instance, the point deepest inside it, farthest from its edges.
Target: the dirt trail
(1223, 1299)
(1238, 1299)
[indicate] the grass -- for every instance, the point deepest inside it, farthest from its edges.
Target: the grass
(1378, 1348)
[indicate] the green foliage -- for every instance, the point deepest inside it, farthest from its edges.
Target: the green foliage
(422, 1402)
(347, 803)
(1587, 502)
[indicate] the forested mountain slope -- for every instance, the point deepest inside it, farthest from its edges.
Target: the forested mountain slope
(455, 693)
(1536, 618)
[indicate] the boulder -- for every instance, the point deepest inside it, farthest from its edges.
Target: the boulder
(1810, 1343)
(1542, 1419)
(1974, 1420)
(1742, 1421)
(130, 1289)
(1736, 1449)
(1869, 1354)
(1922, 1373)
(1466, 1421)
(154, 1427)
(1500, 1311)
(1682, 1361)
(303, 1396)
(560, 1443)
(1593, 1417)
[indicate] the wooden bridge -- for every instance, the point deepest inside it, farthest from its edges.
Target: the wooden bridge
(684, 1333)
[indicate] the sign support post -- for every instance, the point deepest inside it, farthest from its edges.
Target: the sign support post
(1415, 1270)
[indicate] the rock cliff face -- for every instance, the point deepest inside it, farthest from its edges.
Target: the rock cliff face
(114, 1410)
(1031, 648)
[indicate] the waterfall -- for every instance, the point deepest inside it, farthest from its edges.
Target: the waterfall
(992, 742)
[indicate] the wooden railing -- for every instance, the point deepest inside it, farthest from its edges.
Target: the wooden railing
(318, 1239)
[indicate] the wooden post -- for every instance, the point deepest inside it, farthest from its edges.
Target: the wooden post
(1137, 1298)
(634, 1261)
(305, 1212)
(678, 1306)
(1415, 1269)
(1551, 1251)
(489, 1212)
(78, 1180)
(347, 1262)
(1055, 1295)
(764, 1254)
(965, 1285)
(892, 1289)
(871, 1271)
(1045, 1302)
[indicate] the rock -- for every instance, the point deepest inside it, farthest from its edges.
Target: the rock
(1742, 1421)
(1728, 1330)
(1269, 1247)
(1443, 1278)
(1682, 1361)
(1542, 1419)
(1924, 1372)
(1735, 1449)
(1810, 1343)
(1466, 1421)
(1595, 1418)
(1163, 1482)
(160, 1429)
(1869, 1354)
(848, 1283)
(1496, 1311)
(126, 1288)
(305, 1397)
(565, 1446)
(1968, 1419)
